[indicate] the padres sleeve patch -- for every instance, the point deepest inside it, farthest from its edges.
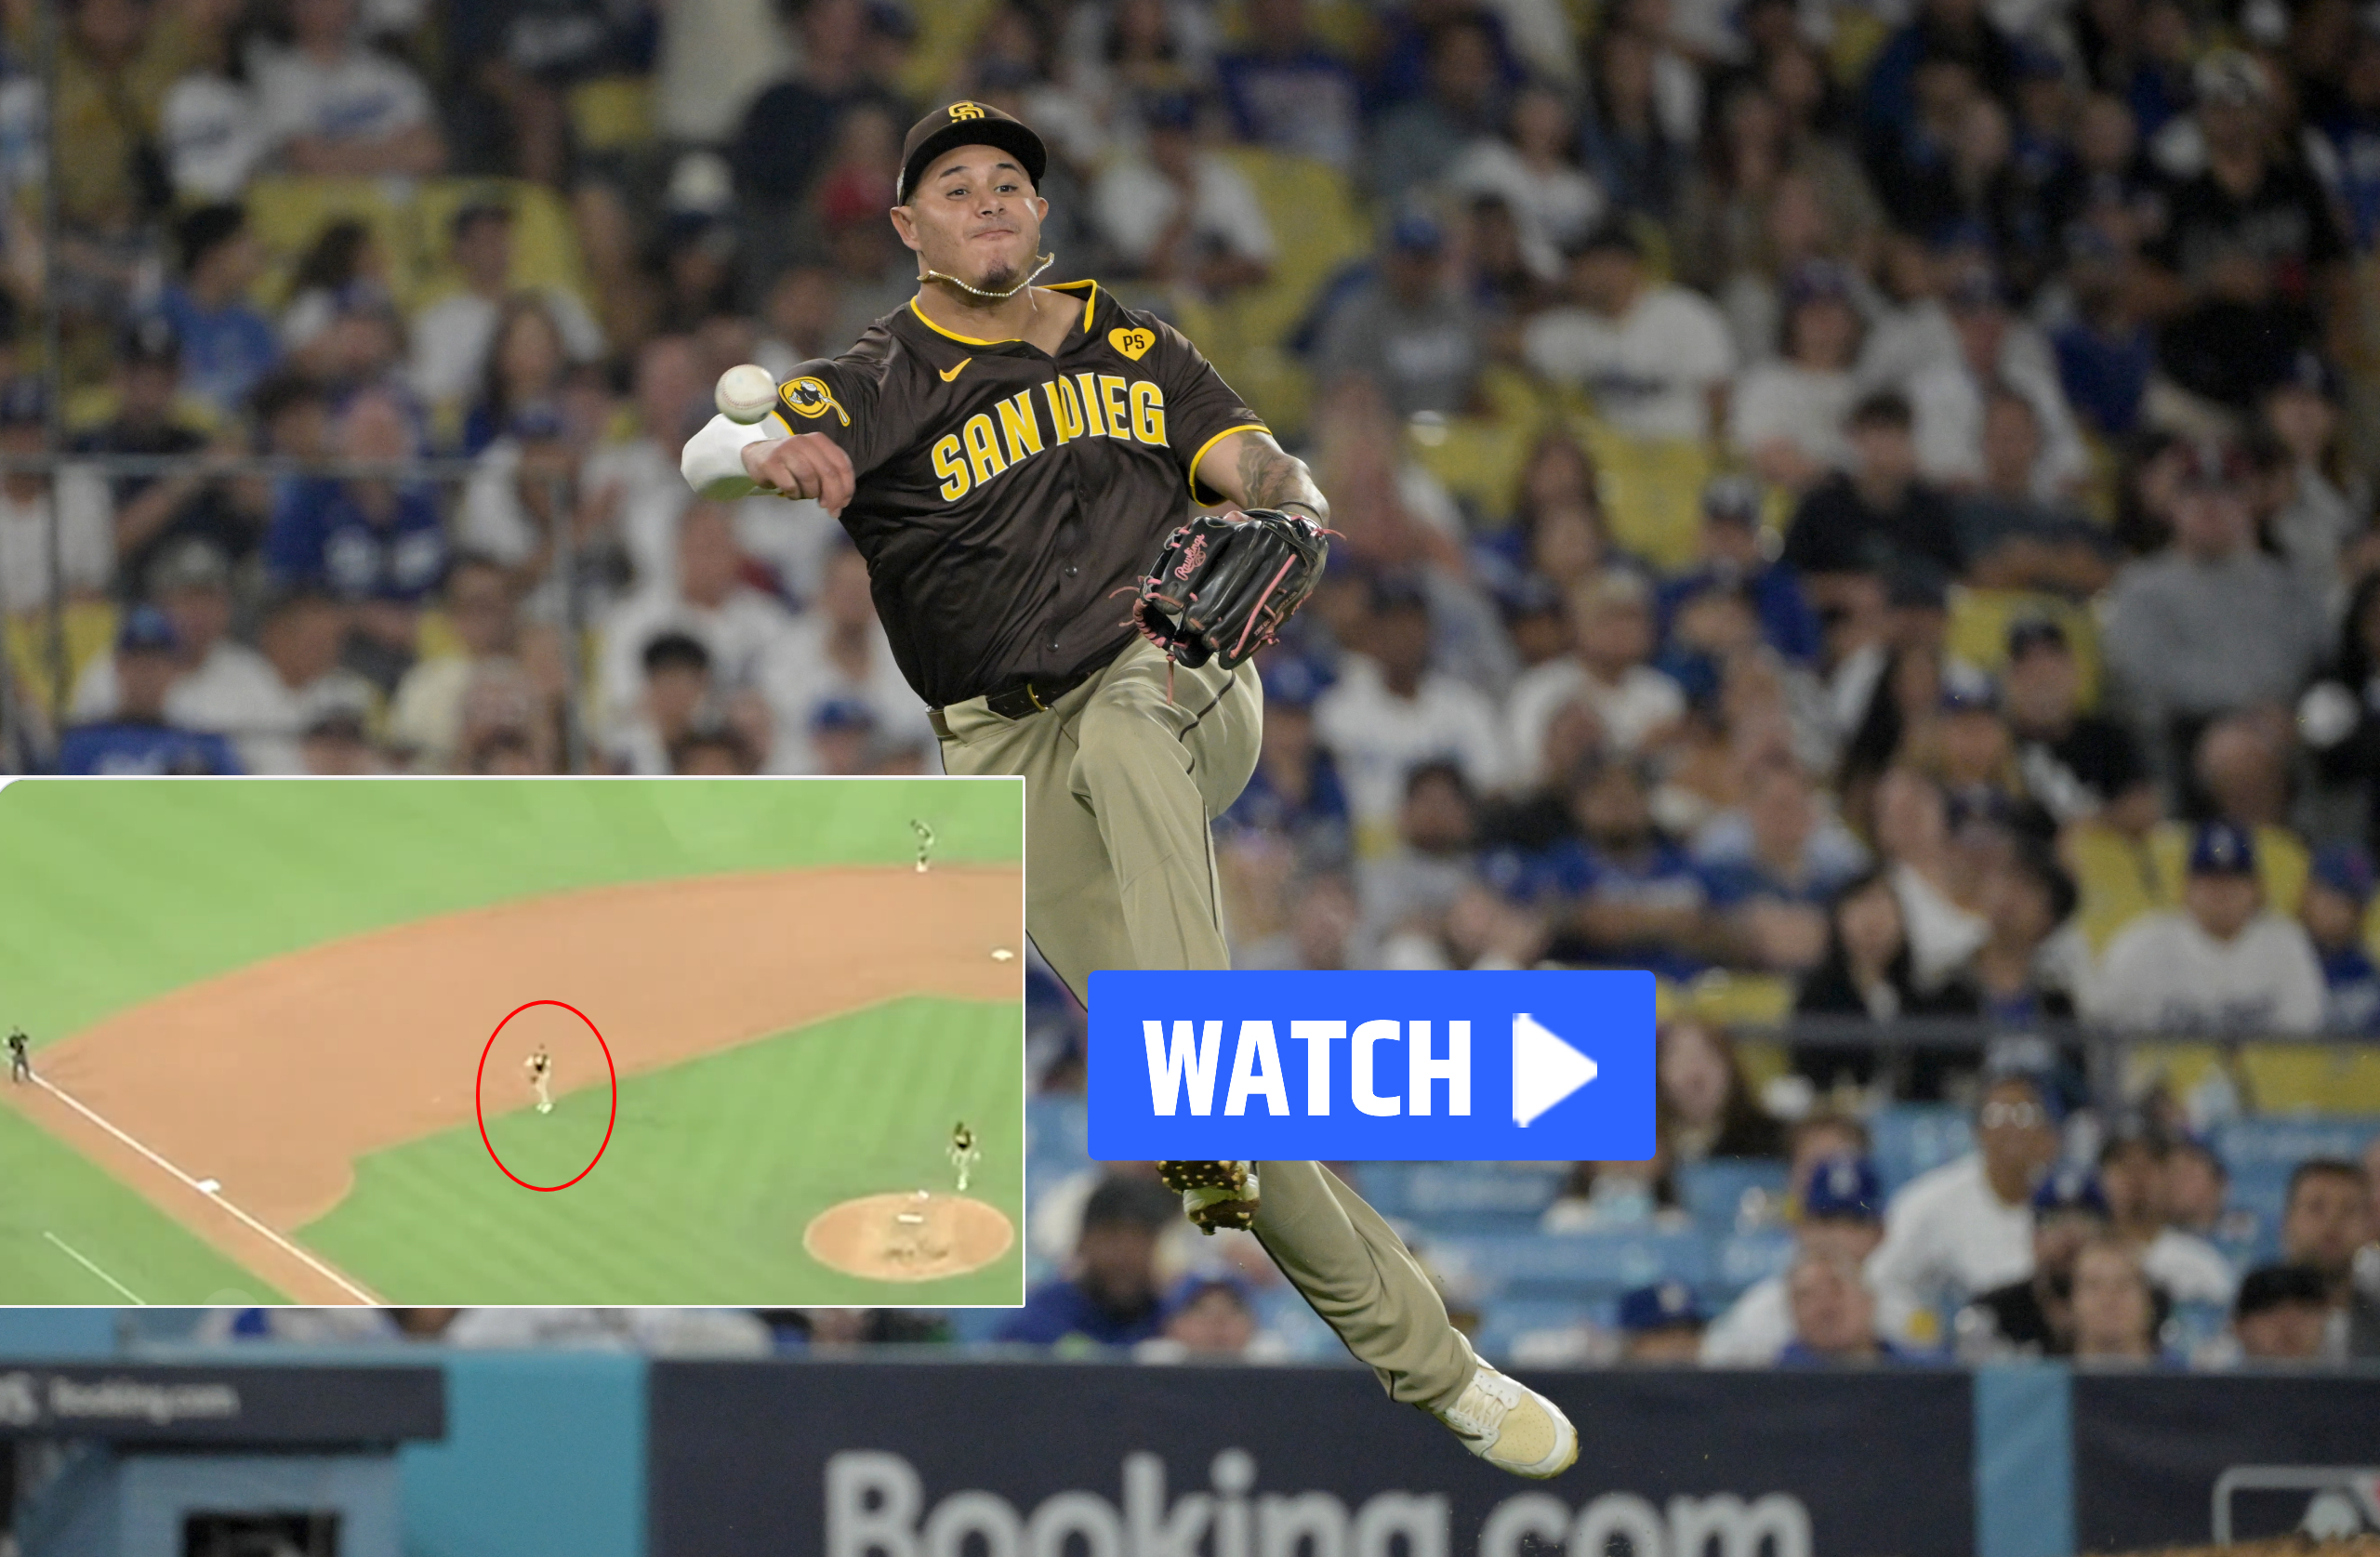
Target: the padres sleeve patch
(812, 398)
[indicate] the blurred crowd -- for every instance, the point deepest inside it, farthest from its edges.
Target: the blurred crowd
(1861, 507)
(2129, 1254)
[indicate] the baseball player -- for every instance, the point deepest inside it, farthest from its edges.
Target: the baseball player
(964, 1154)
(1007, 457)
(20, 1066)
(540, 1066)
(925, 843)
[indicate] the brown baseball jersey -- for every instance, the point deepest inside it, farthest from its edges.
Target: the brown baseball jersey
(1004, 493)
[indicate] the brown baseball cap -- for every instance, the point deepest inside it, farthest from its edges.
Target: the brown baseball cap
(968, 124)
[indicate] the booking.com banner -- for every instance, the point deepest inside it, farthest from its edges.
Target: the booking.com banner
(1373, 1066)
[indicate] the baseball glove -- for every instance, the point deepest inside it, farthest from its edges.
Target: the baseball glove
(1213, 1193)
(1222, 589)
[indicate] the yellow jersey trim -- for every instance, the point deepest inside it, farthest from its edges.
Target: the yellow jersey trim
(1087, 304)
(954, 335)
(1244, 426)
(779, 416)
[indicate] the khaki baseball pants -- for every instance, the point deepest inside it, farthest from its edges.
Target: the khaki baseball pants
(1122, 776)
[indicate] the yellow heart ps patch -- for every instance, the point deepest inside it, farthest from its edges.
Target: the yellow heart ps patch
(1132, 343)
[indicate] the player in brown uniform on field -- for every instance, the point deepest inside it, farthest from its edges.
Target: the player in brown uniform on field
(1009, 458)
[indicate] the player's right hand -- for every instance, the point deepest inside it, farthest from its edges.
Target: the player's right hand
(807, 465)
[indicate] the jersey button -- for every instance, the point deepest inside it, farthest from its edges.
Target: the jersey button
(1071, 570)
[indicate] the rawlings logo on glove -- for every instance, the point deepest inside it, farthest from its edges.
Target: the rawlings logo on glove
(1222, 589)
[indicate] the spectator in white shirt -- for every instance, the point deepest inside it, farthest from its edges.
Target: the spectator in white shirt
(220, 684)
(738, 625)
(1532, 169)
(451, 338)
(634, 482)
(1181, 213)
(302, 633)
(1787, 416)
(2222, 962)
(1390, 713)
(2186, 1268)
(1967, 1227)
(676, 692)
(1655, 360)
(1842, 1218)
(86, 515)
(333, 106)
(208, 126)
(1950, 398)
(426, 717)
(837, 652)
(1611, 618)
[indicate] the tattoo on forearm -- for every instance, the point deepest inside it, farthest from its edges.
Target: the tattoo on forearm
(1271, 477)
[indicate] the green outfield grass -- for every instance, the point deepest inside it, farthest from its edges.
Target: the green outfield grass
(716, 1166)
(54, 1203)
(118, 891)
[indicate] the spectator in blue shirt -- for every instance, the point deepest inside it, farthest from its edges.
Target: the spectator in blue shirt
(379, 544)
(1661, 1325)
(1629, 897)
(1732, 559)
(1834, 1316)
(1288, 91)
(2338, 890)
(1111, 1297)
(136, 740)
(228, 346)
(1295, 790)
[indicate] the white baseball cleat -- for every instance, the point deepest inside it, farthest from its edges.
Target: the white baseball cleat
(1510, 1426)
(544, 1108)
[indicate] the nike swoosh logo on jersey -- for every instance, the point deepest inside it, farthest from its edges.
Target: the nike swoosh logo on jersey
(956, 371)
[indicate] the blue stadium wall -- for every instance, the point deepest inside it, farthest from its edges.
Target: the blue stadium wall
(608, 1456)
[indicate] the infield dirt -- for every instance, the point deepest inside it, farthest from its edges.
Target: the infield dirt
(272, 1079)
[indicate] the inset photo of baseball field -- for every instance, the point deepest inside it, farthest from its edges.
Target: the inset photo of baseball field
(468, 1042)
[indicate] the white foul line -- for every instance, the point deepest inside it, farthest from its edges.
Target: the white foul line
(76, 1257)
(285, 1244)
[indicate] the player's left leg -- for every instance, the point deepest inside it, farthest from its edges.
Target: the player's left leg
(1162, 751)
(1356, 1273)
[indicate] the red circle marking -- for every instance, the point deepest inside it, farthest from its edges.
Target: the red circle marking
(479, 1082)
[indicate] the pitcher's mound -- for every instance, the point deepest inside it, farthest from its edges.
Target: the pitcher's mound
(908, 1237)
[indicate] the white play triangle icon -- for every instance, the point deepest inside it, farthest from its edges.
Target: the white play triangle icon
(1545, 1069)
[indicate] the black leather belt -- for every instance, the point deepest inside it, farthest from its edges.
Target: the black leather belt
(1021, 701)
(1027, 698)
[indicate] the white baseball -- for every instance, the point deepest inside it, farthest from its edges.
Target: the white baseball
(745, 393)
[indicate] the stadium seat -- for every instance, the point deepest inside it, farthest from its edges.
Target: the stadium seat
(2261, 1188)
(90, 627)
(1652, 492)
(1056, 1139)
(2192, 1325)
(1908, 1138)
(1728, 1195)
(1441, 1192)
(287, 212)
(544, 239)
(2120, 878)
(1318, 227)
(1503, 1323)
(2245, 1144)
(1571, 1265)
(1742, 1258)
(1977, 631)
(612, 113)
